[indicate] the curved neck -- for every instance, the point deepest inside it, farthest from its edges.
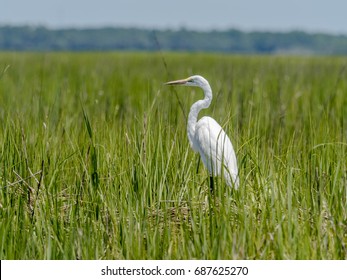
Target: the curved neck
(194, 112)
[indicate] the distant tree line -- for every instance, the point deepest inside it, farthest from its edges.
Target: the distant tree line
(27, 38)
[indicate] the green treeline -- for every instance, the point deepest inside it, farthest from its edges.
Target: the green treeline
(26, 38)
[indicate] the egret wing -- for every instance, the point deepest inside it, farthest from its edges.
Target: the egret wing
(216, 150)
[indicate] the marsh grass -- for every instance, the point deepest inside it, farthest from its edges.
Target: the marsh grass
(95, 161)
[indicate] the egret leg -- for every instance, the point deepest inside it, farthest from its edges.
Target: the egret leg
(211, 184)
(197, 168)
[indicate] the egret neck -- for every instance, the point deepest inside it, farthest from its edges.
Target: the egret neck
(194, 112)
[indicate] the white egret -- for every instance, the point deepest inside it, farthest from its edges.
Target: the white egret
(208, 138)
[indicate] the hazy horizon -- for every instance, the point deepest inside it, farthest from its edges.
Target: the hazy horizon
(268, 15)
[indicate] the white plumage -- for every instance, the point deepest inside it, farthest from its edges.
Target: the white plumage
(208, 138)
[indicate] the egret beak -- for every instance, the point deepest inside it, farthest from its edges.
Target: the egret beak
(178, 82)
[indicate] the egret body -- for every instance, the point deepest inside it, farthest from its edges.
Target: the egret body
(208, 138)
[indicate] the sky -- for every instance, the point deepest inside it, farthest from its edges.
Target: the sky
(329, 16)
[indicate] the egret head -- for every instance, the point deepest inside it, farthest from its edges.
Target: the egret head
(193, 81)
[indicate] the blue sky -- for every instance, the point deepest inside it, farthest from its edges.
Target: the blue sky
(273, 15)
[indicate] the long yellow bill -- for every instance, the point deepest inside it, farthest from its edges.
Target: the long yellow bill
(177, 82)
